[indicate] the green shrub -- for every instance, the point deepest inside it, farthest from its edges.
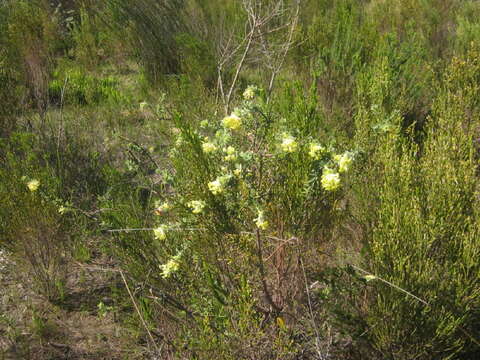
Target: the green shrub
(31, 224)
(467, 28)
(422, 228)
(339, 39)
(244, 199)
(197, 59)
(31, 33)
(74, 86)
(93, 41)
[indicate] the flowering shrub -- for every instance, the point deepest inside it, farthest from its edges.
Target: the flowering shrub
(245, 186)
(257, 169)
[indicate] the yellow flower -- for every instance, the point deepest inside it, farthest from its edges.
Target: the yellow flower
(289, 144)
(260, 221)
(215, 187)
(344, 161)
(218, 185)
(231, 155)
(170, 267)
(249, 93)
(33, 185)
(327, 170)
(143, 104)
(232, 122)
(161, 208)
(208, 147)
(62, 210)
(238, 170)
(196, 206)
(160, 232)
(330, 180)
(316, 150)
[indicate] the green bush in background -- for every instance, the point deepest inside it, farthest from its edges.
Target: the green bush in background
(423, 232)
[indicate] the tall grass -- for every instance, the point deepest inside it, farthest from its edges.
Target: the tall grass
(151, 27)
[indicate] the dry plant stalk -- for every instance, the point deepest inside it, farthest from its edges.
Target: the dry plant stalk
(268, 37)
(42, 247)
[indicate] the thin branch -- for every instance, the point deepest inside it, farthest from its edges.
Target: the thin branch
(261, 266)
(391, 284)
(139, 314)
(151, 229)
(310, 308)
(466, 333)
(237, 72)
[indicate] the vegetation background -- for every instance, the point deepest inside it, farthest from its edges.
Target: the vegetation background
(242, 179)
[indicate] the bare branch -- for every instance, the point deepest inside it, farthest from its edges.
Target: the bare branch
(257, 46)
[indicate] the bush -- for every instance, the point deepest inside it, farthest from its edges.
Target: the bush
(74, 86)
(31, 225)
(46, 185)
(249, 197)
(31, 34)
(423, 235)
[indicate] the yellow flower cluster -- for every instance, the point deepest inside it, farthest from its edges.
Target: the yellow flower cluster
(161, 208)
(316, 150)
(330, 180)
(218, 185)
(196, 206)
(33, 185)
(238, 170)
(160, 232)
(215, 187)
(232, 122)
(231, 153)
(289, 143)
(170, 267)
(260, 221)
(344, 161)
(249, 93)
(208, 147)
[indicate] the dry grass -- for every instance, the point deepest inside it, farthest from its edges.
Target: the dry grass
(31, 328)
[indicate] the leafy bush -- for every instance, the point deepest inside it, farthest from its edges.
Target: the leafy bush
(248, 198)
(330, 216)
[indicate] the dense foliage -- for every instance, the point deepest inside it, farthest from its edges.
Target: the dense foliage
(254, 179)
